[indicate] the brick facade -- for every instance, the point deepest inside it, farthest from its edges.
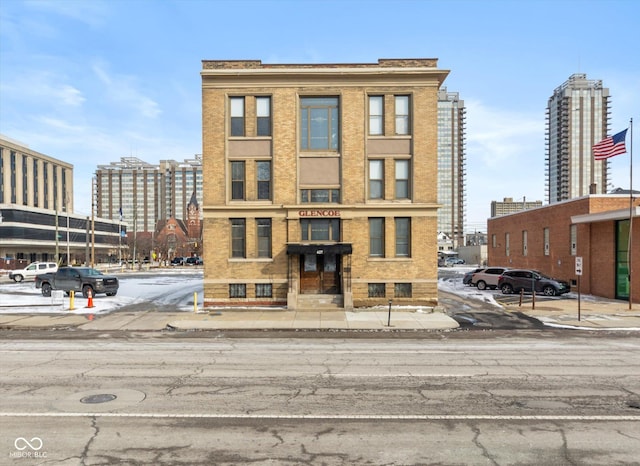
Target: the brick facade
(595, 242)
(344, 170)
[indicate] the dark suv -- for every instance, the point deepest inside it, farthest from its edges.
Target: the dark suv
(193, 261)
(516, 280)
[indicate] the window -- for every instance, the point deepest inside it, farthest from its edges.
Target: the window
(377, 290)
(494, 241)
(574, 239)
(237, 116)
(524, 242)
(376, 179)
(320, 195)
(35, 183)
(402, 114)
(264, 237)
(545, 233)
(319, 124)
(263, 170)
(376, 237)
(237, 181)
(402, 179)
(45, 185)
(507, 245)
(320, 229)
(263, 115)
(25, 184)
(376, 115)
(403, 237)
(237, 290)
(264, 290)
(402, 290)
(238, 237)
(13, 177)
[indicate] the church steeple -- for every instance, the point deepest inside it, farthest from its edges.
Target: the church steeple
(193, 217)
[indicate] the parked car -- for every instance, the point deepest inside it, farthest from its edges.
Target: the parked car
(194, 261)
(451, 261)
(84, 279)
(33, 269)
(178, 261)
(516, 280)
(466, 280)
(487, 278)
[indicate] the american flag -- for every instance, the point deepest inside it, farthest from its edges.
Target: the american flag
(608, 147)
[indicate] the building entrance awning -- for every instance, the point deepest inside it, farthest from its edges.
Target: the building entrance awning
(333, 248)
(606, 216)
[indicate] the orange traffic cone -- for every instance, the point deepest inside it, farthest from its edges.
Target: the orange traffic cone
(90, 298)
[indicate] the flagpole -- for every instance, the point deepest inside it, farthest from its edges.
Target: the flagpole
(630, 215)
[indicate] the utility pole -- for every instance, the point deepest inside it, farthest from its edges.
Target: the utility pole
(67, 207)
(86, 251)
(135, 238)
(57, 241)
(93, 221)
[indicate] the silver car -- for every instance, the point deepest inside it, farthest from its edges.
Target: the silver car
(488, 278)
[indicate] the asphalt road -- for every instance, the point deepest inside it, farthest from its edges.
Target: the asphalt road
(150, 400)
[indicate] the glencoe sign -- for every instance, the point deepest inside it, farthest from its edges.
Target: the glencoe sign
(319, 213)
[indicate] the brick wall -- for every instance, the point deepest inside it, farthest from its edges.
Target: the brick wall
(355, 209)
(595, 243)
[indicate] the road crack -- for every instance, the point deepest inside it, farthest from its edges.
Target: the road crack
(96, 431)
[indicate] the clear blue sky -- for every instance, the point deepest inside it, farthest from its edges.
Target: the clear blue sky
(89, 82)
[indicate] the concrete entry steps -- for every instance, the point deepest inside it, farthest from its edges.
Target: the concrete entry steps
(320, 301)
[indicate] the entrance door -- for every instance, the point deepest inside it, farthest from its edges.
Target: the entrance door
(622, 259)
(320, 274)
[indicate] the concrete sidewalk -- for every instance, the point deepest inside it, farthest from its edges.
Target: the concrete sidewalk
(556, 312)
(272, 319)
(311, 319)
(600, 313)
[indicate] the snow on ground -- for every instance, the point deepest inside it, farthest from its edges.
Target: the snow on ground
(178, 291)
(25, 298)
(450, 281)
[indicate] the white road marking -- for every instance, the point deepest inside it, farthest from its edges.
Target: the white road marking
(410, 417)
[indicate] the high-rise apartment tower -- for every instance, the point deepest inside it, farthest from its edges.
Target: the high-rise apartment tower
(577, 118)
(451, 165)
(146, 192)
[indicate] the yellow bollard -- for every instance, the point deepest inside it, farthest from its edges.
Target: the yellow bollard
(195, 302)
(72, 296)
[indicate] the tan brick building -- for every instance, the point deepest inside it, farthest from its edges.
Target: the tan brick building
(320, 183)
(549, 238)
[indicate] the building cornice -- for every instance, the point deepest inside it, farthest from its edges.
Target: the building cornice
(417, 72)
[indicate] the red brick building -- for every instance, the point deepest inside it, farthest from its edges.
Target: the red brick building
(551, 237)
(175, 237)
